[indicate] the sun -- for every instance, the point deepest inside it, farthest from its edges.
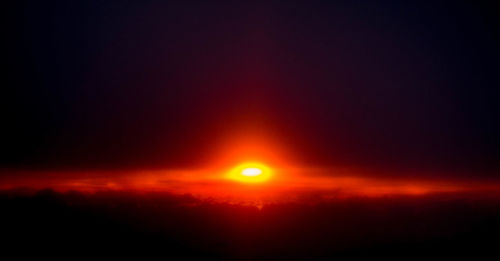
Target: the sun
(250, 172)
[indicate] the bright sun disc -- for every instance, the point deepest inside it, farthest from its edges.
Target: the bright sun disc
(250, 172)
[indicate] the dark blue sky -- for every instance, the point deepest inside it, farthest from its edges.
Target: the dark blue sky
(146, 84)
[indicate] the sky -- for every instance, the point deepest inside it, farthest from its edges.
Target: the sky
(394, 89)
(250, 129)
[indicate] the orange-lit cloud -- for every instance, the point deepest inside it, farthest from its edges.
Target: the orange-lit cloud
(285, 184)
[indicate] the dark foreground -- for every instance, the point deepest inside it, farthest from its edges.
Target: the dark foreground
(120, 224)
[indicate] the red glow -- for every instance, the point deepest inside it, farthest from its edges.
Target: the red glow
(277, 180)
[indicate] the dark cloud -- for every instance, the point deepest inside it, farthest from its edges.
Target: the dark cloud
(151, 225)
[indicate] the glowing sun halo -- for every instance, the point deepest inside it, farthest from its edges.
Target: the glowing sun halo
(250, 172)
